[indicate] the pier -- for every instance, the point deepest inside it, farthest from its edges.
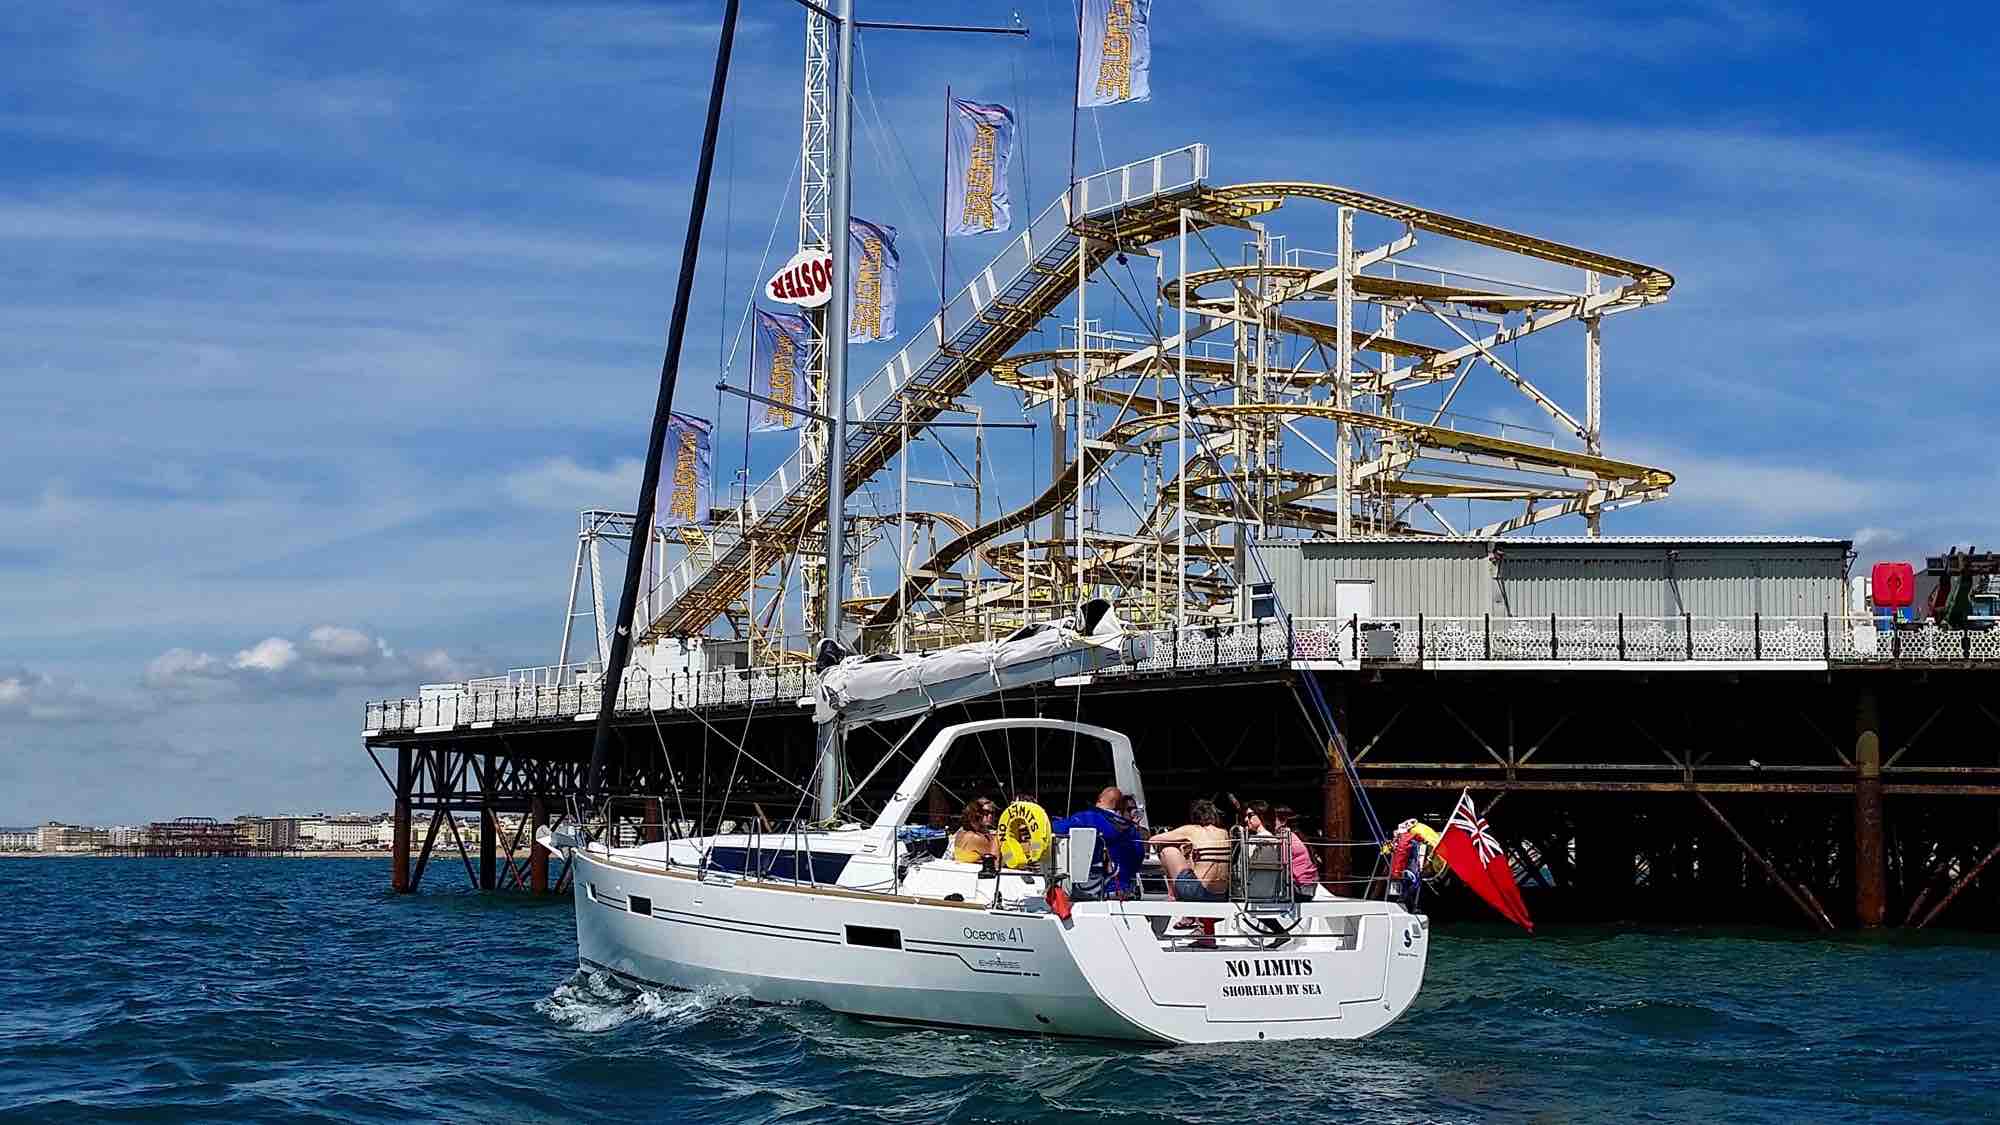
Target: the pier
(192, 837)
(1703, 770)
(1260, 450)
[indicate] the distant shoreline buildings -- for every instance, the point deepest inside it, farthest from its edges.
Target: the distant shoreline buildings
(250, 833)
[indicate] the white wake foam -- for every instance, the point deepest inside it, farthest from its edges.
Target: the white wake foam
(594, 1001)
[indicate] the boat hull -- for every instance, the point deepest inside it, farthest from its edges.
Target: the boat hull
(1106, 973)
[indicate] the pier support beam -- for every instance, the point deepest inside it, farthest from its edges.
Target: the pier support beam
(489, 849)
(1606, 860)
(1963, 882)
(1870, 870)
(538, 856)
(489, 828)
(399, 851)
(1337, 798)
(1800, 896)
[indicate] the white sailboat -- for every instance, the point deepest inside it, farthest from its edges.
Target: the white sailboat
(878, 920)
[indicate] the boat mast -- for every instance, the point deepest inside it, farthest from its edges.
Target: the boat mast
(663, 408)
(831, 768)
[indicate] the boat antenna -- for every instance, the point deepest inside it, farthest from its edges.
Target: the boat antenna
(642, 518)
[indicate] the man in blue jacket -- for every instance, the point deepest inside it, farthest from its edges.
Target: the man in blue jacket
(1121, 850)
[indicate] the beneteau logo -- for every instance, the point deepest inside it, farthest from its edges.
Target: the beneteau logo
(1114, 70)
(979, 178)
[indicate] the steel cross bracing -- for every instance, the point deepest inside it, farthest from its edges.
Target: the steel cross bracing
(1041, 376)
(1038, 273)
(1002, 304)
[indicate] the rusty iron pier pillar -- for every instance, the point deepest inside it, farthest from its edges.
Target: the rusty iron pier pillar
(399, 851)
(1337, 798)
(1870, 869)
(538, 856)
(1606, 860)
(489, 829)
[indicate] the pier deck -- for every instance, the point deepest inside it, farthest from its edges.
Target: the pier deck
(1692, 769)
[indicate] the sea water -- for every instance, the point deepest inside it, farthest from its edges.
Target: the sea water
(172, 990)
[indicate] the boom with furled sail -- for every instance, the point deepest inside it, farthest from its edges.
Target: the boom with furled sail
(865, 689)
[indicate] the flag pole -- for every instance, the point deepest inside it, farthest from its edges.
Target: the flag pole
(1075, 95)
(944, 215)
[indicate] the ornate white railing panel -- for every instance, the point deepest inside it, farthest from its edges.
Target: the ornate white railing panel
(1476, 642)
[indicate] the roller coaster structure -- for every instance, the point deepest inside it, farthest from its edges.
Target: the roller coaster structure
(1233, 414)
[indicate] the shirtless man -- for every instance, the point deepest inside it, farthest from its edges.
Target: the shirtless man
(1184, 851)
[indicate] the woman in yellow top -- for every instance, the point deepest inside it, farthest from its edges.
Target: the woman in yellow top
(976, 837)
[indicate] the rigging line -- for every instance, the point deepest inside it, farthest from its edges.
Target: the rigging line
(1017, 66)
(1055, 67)
(980, 740)
(729, 226)
(763, 260)
(1103, 160)
(734, 768)
(1143, 317)
(882, 131)
(673, 779)
(894, 748)
(742, 754)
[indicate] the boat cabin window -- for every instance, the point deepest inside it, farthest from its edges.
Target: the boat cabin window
(1062, 771)
(878, 937)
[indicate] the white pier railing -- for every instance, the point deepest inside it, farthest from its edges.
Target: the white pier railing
(1617, 643)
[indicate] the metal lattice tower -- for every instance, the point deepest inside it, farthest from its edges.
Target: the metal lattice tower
(815, 133)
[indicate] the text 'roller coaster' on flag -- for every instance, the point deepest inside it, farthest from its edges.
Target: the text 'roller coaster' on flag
(980, 146)
(780, 345)
(686, 467)
(1117, 47)
(875, 266)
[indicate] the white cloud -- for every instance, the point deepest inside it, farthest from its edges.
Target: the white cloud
(272, 655)
(327, 659)
(1769, 490)
(562, 484)
(342, 643)
(38, 697)
(1869, 538)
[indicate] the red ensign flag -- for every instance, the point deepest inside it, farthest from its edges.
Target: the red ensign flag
(1475, 855)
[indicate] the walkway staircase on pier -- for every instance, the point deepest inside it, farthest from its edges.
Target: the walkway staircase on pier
(1132, 205)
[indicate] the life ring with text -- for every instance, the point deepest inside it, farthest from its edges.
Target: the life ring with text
(1024, 834)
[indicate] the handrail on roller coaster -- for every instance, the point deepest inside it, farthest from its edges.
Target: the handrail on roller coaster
(946, 355)
(974, 331)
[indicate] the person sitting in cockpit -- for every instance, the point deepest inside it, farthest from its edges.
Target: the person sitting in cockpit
(1196, 855)
(978, 837)
(1114, 868)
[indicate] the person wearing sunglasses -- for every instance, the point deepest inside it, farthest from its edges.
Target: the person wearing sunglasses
(978, 835)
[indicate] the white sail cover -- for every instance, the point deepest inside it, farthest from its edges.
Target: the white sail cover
(867, 689)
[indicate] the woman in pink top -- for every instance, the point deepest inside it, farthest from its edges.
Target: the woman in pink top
(1305, 873)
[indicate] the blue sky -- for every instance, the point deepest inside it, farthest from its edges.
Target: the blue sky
(318, 322)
